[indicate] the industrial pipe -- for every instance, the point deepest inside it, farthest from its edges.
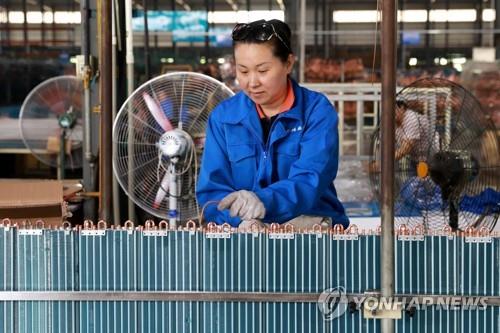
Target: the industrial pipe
(106, 83)
(129, 46)
(114, 106)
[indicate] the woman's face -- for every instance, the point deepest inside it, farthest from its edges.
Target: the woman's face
(261, 75)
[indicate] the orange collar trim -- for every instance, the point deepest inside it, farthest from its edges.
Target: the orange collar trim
(285, 106)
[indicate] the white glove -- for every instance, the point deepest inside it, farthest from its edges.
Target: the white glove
(244, 204)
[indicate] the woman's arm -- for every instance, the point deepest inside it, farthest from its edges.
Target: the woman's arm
(214, 181)
(313, 171)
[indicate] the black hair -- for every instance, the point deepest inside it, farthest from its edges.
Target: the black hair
(281, 46)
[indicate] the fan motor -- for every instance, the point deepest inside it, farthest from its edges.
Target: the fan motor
(174, 143)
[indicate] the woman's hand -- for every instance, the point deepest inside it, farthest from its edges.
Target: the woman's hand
(244, 204)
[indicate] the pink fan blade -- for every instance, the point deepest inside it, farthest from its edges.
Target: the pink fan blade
(157, 112)
(160, 195)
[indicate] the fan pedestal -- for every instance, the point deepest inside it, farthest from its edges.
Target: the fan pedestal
(173, 214)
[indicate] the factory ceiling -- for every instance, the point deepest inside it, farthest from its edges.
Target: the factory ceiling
(223, 5)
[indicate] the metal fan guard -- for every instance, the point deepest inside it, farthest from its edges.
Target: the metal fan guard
(43, 127)
(469, 133)
(183, 96)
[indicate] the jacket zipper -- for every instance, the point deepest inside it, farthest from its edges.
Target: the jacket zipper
(265, 145)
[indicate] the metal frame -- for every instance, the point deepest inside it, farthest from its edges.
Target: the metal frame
(338, 93)
(207, 296)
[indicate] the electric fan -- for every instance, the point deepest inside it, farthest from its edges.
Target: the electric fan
(158, 139)
(50, 121)
(447, 163)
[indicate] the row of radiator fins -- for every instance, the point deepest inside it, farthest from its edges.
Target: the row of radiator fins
(121, 260)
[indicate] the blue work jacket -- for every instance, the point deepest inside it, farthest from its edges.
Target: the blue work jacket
(292, 173)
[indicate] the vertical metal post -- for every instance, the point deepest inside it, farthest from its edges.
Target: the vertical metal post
(316, 25)
(25, 26)
(106, 82)
(155, 8)
(401, 53)
(7, 28)
(497, 27)
(446, 27)
(479, 23)
(42, 25)
(130, 89)
(388, 56)
(3, 24)
(114, 107)
(207, 37)
(129, 45)
(89, 167)
(325, 18)
(360, 120)
(302, 40)
(428, 55)
(54, 37)
(147, 63)
(329, 25)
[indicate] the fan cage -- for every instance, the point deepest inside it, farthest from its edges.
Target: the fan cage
(454, 122)
(39, 124)
(186, 99)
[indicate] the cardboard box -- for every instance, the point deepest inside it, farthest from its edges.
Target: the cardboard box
(32, 200)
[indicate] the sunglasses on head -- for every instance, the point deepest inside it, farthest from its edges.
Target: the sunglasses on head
(262, 32)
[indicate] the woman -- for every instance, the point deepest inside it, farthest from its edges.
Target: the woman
(271, 151)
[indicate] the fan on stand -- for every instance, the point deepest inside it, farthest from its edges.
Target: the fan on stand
(51, 123)
(158, 139)
(447, 163)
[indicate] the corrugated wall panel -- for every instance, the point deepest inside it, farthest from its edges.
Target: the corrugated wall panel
(296, 265)
(480, 268)
(233, 264)
(108, 262)
(430, 319)
(46, 262)
(130, 261)
(354, 265)
(487, 320)
(354, 322)
(427, 266)
(7, 272)
(63, 277)
(169, 262)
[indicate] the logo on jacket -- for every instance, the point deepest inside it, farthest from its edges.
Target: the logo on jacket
(296, 129)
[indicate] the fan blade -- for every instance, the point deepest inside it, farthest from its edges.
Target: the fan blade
(162, 191)
(157, 112)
